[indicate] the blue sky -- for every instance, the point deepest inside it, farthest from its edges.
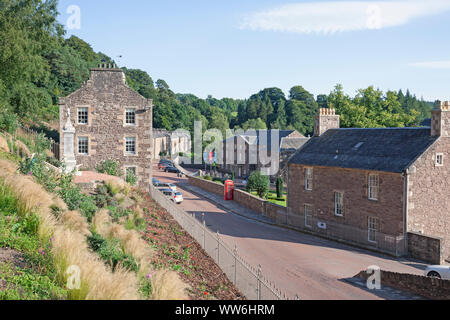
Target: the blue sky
(235, 48)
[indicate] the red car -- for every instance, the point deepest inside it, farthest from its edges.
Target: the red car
(164, 165)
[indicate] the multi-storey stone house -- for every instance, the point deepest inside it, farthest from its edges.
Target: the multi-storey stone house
(170, 143)
(112, 122)
(387, 188)
(247, 152)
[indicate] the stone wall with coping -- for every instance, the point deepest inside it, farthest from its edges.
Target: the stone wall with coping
(426, 248)
(430, 288)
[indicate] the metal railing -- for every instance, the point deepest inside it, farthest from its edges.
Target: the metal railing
(393, 245)
(248, 279)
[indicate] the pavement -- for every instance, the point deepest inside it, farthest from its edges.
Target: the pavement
(298, 263)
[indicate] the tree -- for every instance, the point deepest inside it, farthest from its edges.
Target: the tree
(280, 187)
(259, 183)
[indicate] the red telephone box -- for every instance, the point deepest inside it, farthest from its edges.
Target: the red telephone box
(229, 190)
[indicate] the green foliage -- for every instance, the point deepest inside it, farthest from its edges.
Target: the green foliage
(207, 177)
(8, 121)
(131, 178)
(259, 183)
(280, 187)
(111, 252)
(19, 231)
(110, 167)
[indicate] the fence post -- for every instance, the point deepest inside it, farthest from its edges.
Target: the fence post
(259, 282)
(204, 234)
(235, 263)
(218, 246)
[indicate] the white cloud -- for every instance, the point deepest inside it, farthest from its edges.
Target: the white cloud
(340, 16)
(432, 64)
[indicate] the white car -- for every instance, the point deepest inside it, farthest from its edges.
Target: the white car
(441, 272)
(175, 196)
(170, 186)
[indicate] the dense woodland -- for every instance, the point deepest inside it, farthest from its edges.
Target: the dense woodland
(39, 64)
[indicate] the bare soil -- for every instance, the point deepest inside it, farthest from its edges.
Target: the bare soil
(206, 279)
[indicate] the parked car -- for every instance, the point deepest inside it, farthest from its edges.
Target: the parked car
(177, 197)
(155, 181)
(441, 272)
(172, 170)
(174, 196)
(164, 165)
(169, 186)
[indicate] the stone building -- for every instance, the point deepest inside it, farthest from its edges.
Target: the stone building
(387, 189)
(111, 122)
(170, 143)
(244, 153)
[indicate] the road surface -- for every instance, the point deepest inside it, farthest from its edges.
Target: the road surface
(312, 267)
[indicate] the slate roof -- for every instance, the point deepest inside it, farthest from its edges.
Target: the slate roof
(255, 137)
(293, 143)
(388, 150)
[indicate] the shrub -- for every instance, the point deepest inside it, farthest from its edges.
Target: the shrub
(8, 121)
(259, 183)
(280, 187)
(109, 167)
(131, 178)
(209, 178)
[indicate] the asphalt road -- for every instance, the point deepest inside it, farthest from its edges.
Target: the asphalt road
(312, 267)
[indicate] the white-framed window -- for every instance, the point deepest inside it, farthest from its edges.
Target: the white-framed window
(339, 204)
(83, 115)
(130, 117)
(309, 174)
(83, 145)
(373, 227)
(130, 145)
(374, 186)
(308, 215)
(439, 159)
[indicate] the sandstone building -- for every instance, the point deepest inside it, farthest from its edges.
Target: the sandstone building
(111, 121)
(387, 189)
(245, 153)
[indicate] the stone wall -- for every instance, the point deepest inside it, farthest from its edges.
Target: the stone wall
(209, 186)
(243, 198)
(430, 288)
(107, 96)
(250, 201)
(428, 195)
(425, 248)
(275, 212)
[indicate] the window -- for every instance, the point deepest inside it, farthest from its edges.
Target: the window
(83, 145)
(130, 116)
(83, 115)
(339, 204)
(130, 146)
(308, 215)
(373, 224)
(439, 159)
(373, 186)
(308, 179)
(131, 170)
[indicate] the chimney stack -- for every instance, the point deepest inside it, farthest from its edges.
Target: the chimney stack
(327, 119)
(440, 120)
